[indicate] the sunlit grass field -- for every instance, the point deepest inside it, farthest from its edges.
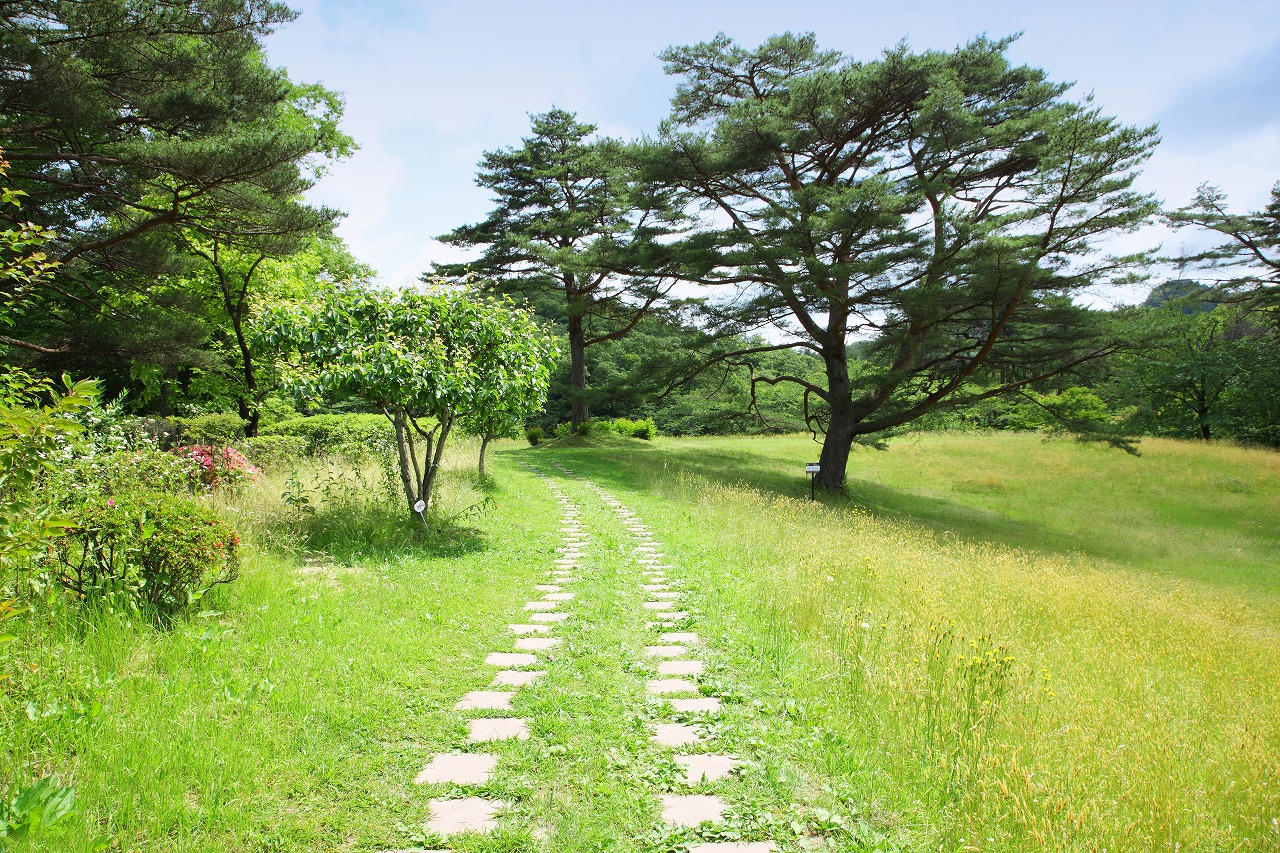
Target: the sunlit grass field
(993, 643)
(997, 642)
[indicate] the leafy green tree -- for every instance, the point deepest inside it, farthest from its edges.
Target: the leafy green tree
(569, 221)
(132, 123)
(911, 220)
(1199, 369)
(428, 361)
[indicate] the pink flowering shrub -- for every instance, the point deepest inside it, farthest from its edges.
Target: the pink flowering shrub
(219, 466)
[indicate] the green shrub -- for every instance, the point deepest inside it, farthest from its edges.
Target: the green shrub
(645, 429)
(146, 550)
(220, 429)
(337, 433)
(535, 435)
(92, 476)
(564, 430)
(274, 452)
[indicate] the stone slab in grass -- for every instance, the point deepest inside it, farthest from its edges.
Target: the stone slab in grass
(654, 587)
(547, 587)
(666, 595)
(529, 629)
(674, 615)
(560, 596)
(497, 728)
(469, 814)
(692, 809)
(679, 637)
(537, 644)
(701, 705)
(664, 651)
(657, 605)
(675, 734)
(733, 847)
(541, 605)
(665, 686)
(510, 659)
(699, 768)
(676, 667)
(517, 677)
(457, 769)
(485, 700)
(548, 617)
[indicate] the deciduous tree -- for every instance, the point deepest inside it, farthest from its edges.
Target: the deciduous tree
(427, 360)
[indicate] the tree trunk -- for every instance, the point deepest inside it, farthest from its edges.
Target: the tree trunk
(401, 424)
(484, 445)
(578, 371)
(841, 428)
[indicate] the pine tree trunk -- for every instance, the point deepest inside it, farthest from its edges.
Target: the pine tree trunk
(578, 414)
(840, 430)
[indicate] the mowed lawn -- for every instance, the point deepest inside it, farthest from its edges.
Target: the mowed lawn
(996, 642)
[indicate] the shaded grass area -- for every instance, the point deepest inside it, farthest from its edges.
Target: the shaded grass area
(958, 693)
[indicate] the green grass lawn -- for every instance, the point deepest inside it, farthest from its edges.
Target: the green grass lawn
(996, 643)
(999, 642)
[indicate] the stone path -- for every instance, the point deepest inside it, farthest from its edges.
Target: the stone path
(496, 721)
(672, 661)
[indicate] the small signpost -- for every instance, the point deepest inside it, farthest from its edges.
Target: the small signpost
(812, 469)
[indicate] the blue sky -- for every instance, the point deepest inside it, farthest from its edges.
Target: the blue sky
(431, 85)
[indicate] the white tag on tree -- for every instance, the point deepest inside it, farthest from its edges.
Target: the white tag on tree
(419, 506)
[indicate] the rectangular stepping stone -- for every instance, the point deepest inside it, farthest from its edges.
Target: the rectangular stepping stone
(709, 768)
(497, 728)
(485, 700)
(548, 617)
(674, 615)
(663, 686)
(516, 677)
(675, 734)
(657, 605)
(541, 605)
(670, 667)
(733, 847)
(664, 651)
(702, 705)
(469, 814)
(547, 587)
(679, 637)
(536, 644)
(529, 629)
(560, 596)
(666, 595)
(654, 587)
(510, 659)
(457, 768)
(691, 809)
